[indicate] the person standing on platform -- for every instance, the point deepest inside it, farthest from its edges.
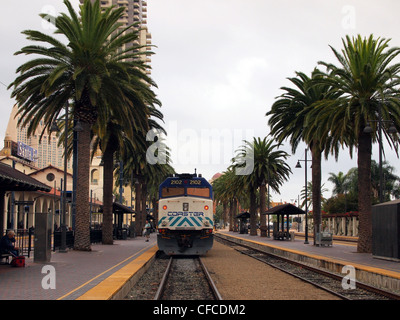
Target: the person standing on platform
(147, 228)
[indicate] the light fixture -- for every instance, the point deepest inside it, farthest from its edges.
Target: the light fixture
(298, 165)
(78, 127)
(367, 128)
(54, 127)
(392, 129)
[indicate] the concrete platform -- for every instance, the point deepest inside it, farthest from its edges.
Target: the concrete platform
(376, 272)
(101, 274)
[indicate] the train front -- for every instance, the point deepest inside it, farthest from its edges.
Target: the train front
(185, 215)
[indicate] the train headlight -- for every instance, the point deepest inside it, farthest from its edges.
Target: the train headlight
(206, 207)
(206, 223)
(164, 207)
(164, 223)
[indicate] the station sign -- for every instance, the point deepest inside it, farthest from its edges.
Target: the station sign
(26, 152)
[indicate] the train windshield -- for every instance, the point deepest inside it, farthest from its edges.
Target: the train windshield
(176, 192)
(172, 192)
(184, 185)
(198, 192)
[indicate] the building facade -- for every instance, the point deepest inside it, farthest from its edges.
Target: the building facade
(135, 13)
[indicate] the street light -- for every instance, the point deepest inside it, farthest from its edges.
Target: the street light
(54, 128)
(392, 129)
(298, 165)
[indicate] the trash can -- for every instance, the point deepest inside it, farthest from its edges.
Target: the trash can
(124, 234)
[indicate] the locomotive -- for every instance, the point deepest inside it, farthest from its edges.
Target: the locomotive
(185, 215)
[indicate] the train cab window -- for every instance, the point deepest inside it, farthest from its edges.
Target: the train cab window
(199, 192)
(172, 192)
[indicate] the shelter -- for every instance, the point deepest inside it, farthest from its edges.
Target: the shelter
(14, 180)
(281, 211)
(119, 210)
(243, 220)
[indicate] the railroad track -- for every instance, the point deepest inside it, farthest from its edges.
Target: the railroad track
(327, 281)
(186, 278)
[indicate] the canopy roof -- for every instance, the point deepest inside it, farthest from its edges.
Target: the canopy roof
(243, 215)
(286, 209)
(14, 180)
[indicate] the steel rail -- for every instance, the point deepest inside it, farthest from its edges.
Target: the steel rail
(210, 282)
(164, 279)
(387, 294)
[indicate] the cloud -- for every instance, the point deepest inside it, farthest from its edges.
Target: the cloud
(219, 65)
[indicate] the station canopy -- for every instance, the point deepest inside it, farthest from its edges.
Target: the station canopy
(243, 215)
(14, 180)
(285, 209)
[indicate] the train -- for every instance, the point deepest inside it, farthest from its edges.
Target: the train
(185, 215)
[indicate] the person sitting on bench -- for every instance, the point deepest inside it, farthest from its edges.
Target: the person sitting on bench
(7, 244)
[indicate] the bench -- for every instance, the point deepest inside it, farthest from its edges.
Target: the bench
(5, 256)
(281, 235)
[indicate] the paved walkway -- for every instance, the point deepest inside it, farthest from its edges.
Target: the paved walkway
(75, 272)
(347, 253)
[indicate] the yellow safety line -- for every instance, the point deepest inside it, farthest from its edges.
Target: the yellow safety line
(112, 285)
(99, 275)
(393, 274)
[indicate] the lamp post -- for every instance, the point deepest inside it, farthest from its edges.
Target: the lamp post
(368, 129)
(54, 128)
(298, 165)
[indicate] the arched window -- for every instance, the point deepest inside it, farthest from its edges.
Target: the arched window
(94, 176)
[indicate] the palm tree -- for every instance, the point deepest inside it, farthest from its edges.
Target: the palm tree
(368, 88)
(269, 167)
(340, 182)
(289, 120)
(229, 189)
(145, 173)
(92, 74)
(310, 194)
(389, 179)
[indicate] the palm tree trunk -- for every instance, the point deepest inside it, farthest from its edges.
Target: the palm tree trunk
(82, 227)
(253, 217)
(364, 193)
(144, 209)
(263, 218)
(108, 181)
(234, 212)
(155, 210)
(316, 188)
(231, 217)
(225, 213)
(138, 197)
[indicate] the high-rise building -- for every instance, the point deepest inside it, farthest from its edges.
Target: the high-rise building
(135, 13)
(38, 152)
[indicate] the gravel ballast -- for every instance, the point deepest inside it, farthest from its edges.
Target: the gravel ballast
(237, 277)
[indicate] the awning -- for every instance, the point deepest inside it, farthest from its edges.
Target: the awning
(285, 209)
(243, 215)
(118, 208)
(14, 180)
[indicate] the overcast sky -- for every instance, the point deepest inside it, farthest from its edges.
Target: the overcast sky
(219, 65)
